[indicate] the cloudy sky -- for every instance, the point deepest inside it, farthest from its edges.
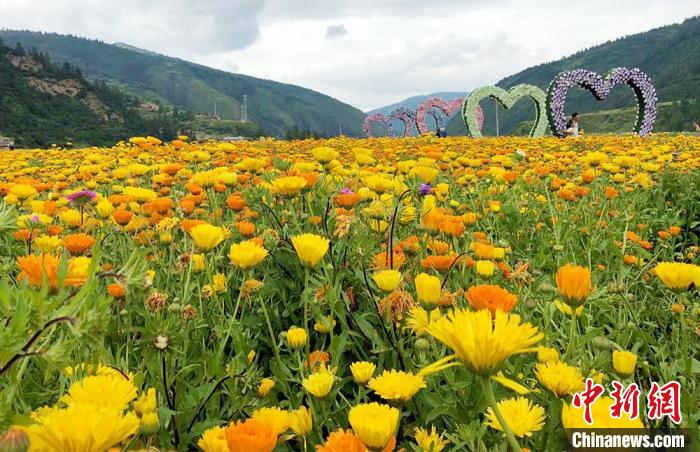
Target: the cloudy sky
(366, 53)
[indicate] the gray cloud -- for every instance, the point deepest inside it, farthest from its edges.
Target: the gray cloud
(335, 31)
(397, 48)
(176, 27)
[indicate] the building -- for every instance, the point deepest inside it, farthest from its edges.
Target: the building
(7, 143)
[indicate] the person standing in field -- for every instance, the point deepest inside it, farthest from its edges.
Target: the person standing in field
(572, 126)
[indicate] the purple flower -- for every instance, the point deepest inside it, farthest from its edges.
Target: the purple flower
(346, 191)
(81, 197)
(34, 218)
(425, 189)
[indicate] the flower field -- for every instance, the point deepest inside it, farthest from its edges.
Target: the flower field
(346, 295)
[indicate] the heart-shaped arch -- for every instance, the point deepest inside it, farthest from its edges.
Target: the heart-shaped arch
(434, 106)
(506, 99)
(600, 87)
(376, 117)
(406, 116)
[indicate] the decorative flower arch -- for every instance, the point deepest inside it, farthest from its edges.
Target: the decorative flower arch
(406, 116)
(376, 117)
(506, 99)
(437, 107)
(600, 87)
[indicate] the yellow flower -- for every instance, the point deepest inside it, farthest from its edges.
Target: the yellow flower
(146, 403)
(300, 421)
(428, 289)
(396, 385)
(213, 440)
(324, 154)
(429, 441)
(522, 416)
(139, 194)
(574, 284)
(23, 191)
(70, 217)
(547, 354)
(310, 248)
(624, 362)
(513, 385)
(288, 186)
(324, 325)
(276, 418)
(362, 371)
(206, 236)
(387, 280)
(47, 244)
(677, 276)
(265, 386)
(566, 309)
(572, 417)
(150, 422)
(374, 424)
(559, 377)
(296, 337)
(485, 269)
(482, 343)
(104, 391)
(247, 254)
(81, 427)
(319, 384)
(219, 282)
(104, 208)
(197, 262)
(418, 319)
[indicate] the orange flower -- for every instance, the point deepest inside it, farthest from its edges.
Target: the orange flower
(246, 228)
(439, 263)
(195, 189)
(610, 192)
(250, 436)
(342, 441)
(483, 250)
(674, 230)
(438, 246)
(452, 226)
(158, 205)
(235, 202)
(34, 268)
(122, 216)
(78, 244)
(317, 359)
(54, 230)
(574, 284)
(187, 225)
(490, 297)
(381, 260)
(347, 200)
(116, 290)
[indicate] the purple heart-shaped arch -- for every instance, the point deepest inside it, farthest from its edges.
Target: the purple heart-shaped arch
(600, 87)
(447, 107)
(403, 114)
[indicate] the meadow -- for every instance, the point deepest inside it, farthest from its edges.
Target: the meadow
(344, 294)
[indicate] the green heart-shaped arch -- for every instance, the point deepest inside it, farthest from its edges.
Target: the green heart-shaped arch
(506, 99)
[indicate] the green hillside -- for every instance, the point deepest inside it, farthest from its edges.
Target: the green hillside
(43, 103)
(670, 55)
(274, 106)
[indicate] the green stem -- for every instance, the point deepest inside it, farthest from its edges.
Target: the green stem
(491, 401)
(272, 334)
(572, 333)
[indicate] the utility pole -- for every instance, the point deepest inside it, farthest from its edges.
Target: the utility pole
(244, 109)
(340, 128)
(495, 102)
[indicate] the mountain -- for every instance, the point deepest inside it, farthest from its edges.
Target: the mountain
(44, 103)
(670, 55)
(275, 107)
(413, 102)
